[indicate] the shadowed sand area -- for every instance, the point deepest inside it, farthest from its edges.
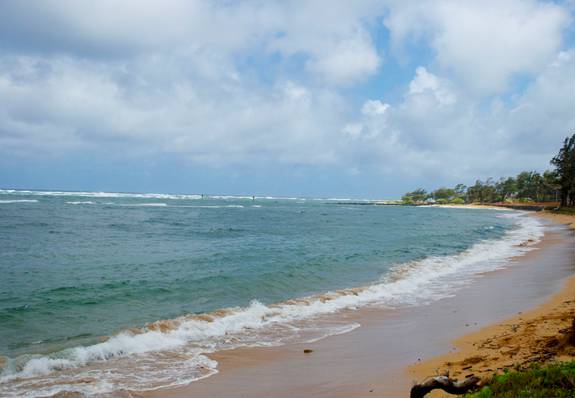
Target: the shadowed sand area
(371, 360)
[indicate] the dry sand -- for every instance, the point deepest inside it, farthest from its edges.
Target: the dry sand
(539, 335)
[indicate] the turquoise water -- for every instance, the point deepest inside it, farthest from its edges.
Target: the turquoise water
(79, 266)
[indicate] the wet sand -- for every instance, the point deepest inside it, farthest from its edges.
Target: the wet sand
(371, 360)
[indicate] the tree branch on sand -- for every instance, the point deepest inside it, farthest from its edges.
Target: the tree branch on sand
(451, 386)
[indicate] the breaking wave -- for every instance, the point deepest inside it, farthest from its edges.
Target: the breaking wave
(99, 194)
(127, 195)
(19, 201)
(171, 352)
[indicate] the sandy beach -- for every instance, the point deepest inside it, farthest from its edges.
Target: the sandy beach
(536, 336)
(316, 199)
(495, 315)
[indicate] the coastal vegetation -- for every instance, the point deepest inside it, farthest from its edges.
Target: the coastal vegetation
(555, 380)
(557, 185)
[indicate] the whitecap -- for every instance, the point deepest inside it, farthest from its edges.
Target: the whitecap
(19, 201)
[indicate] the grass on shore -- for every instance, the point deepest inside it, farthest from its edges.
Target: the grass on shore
(556, 380)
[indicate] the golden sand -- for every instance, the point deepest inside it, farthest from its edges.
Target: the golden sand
(539, 335)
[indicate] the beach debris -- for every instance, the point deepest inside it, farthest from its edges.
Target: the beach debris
(307, 351)
(445, 383)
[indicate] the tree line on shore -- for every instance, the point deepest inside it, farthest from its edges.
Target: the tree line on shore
(557, 185)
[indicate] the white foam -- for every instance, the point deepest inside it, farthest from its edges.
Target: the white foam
(101, 194)
(156, 204)
(19, 201)
(466, 207)
(140, 195)
(212, 206)
(414, 283)
(345, 200)
(231, 197)
(144, 205)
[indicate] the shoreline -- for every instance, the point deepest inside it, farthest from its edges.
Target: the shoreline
(373, 358)
(533, 336)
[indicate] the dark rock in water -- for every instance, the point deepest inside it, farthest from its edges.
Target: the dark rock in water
(307, 351)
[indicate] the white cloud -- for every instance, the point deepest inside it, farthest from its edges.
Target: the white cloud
(65, 103)
(331, 36)
(425, 82)
(346, 61)
(484, 43)
(352, 130)
(170, 76)
(543, 115)
(374, 107)
(425, 137)
(225, 83)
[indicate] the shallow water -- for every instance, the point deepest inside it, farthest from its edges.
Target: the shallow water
(79, 266)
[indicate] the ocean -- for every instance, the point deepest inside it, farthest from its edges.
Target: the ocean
(107, 291)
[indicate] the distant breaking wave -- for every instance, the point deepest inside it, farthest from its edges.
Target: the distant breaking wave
(172, 352)
(19, 201)
(154, 204)
(99, 194)
(89, 194)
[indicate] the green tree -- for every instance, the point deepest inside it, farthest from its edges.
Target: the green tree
(551, 186)
(460, 190)
(529, 185)
(475, 192)
(488, 192)
(443, 194)
(506, 188)
(564, 164)
(416, 197)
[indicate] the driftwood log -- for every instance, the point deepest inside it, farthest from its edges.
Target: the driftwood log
(446, 384)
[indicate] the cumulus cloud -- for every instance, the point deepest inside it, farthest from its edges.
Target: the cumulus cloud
(331, 37)
(171, 76)
(427, 83)
(68, 104)
(285, 82)
(484, 43)
(374, 107)
(543, 114)
(425, 135)
(346, 61)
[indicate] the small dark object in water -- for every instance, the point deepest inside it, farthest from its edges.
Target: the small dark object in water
(307, 351)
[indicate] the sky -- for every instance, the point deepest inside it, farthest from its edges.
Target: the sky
(318, 98)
